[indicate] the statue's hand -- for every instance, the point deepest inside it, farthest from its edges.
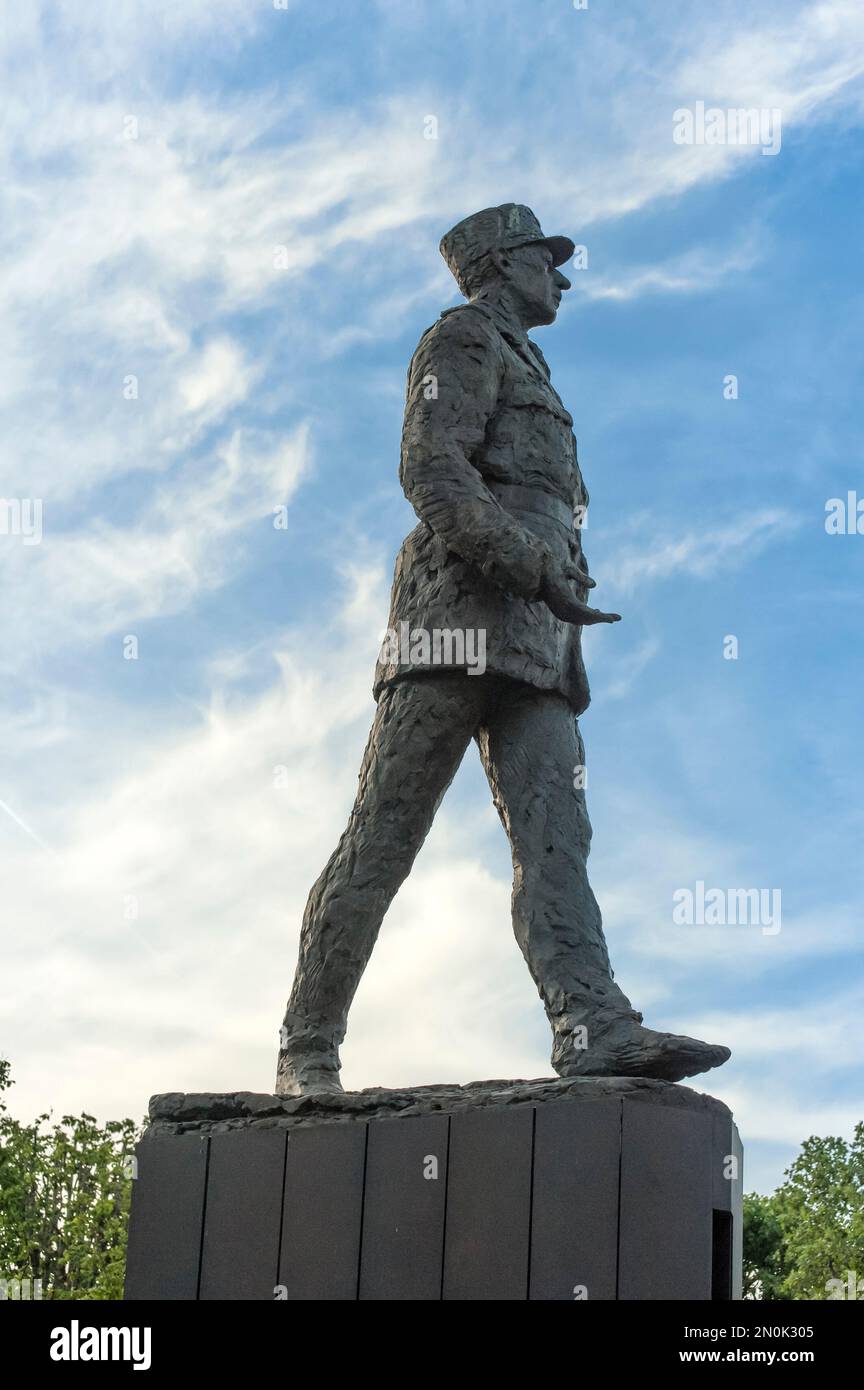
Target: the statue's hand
(581, 578)
(558, 593)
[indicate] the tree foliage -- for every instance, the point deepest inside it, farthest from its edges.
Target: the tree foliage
(811, 1230)
(65, 1192)
(764, 1268)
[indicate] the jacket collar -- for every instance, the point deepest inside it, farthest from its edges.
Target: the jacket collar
(506, 323)
(516, 335)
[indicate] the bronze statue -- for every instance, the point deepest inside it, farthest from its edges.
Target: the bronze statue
(489, 465)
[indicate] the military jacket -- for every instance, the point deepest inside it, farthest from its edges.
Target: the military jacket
(488, 462)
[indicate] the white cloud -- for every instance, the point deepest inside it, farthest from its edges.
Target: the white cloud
(798, 59)
(814, 1040)
(102, 578)
(695, 271)
(624, 669)
(774, 1112)
(143, 246)
(218, 380)
(699, 553)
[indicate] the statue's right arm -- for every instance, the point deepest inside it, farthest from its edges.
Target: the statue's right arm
(453, 385)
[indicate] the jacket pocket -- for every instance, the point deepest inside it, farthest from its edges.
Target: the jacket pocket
(529, 393)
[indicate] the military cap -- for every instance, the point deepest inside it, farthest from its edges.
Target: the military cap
(502, 229)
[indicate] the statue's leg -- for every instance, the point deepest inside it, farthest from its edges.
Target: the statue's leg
(532, 752)
(419, 736)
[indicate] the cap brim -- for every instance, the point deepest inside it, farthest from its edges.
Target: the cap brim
(562, 247)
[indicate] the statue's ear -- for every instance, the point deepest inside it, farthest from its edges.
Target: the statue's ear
(501, 261)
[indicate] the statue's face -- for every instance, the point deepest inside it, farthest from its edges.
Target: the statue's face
(535, 285)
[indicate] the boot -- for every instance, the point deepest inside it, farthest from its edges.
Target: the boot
(620, 1046)
(308, 1060)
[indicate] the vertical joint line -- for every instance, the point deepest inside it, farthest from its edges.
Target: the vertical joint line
(282, 1204)
(618, 1210)
(444, 1218)
(203, 1219)
(531, 1201)
(362, 1209)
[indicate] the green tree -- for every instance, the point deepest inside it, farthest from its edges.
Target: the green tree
(65, 1191)
(764, 1248)
(820, 1208)
(811, 1230)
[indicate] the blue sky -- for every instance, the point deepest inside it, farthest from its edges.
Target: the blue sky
(155, 868)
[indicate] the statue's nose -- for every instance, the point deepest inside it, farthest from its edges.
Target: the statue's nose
(561, 281)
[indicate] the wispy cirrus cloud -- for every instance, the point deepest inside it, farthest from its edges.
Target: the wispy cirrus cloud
(700, 553)
(99, 578)
(801, 59)
(697, 271)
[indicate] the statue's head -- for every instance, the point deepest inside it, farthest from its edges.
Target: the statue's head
(503, 251)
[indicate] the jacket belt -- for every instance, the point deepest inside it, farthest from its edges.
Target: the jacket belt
(533, 499)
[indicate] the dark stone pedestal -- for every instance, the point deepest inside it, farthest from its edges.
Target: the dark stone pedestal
(597, 1189)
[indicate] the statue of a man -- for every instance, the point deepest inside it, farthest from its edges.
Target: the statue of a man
(495, 565)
